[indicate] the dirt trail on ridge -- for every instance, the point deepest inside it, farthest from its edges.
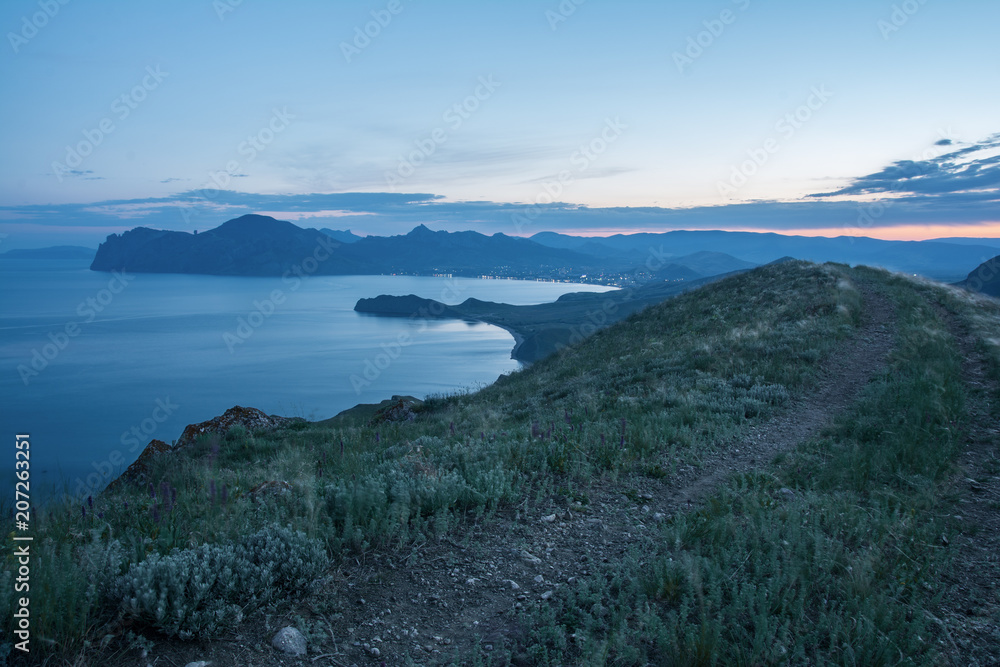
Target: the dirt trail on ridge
(446, 601)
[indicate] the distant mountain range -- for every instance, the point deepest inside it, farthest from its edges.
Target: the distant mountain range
(935, 259)
(256, 245)
(342, 235)
(55, 252)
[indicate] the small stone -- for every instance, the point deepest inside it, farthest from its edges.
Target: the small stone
(539, 578)
(200, 663)
(788, 493)
(290, 641)
(375, 652)
(659, 516)
(549, 519)
(534, 560)
(546, 595)
(513, 585)
(944, 539)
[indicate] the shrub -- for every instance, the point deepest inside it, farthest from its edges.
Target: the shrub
(200, 591)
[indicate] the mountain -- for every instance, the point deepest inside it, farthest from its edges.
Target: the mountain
(251, 245)
(55, 252)
(985, 278)
(257, 245)
(342, 235)
(947, 262)
(466, 253)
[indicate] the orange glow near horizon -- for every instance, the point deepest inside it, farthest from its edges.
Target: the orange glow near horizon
(898, 233)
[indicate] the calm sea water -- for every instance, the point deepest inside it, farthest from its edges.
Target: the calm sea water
(94, 366)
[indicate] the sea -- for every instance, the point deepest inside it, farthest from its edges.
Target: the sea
(95, 365)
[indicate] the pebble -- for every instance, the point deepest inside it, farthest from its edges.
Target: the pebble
(549, 519)
(290, 641)
(546, 595)
(200, 663)
(534, 560)
(539, 578)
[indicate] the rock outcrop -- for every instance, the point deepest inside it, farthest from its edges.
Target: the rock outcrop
(139, 472)
(400, 409)
(251, 419)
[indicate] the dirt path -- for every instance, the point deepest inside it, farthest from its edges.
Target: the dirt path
(448, 600)
(969, 616)
(433, 605)
(849, 368)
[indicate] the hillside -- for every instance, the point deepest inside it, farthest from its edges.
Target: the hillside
(985, 278)
(796, 464)
(542, 329)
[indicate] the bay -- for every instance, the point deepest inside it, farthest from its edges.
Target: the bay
(95, 366)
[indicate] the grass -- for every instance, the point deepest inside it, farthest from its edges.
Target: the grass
(840, 570)
(833, 556)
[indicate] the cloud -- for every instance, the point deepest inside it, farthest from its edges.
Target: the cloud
(958, 186)
(973, 170)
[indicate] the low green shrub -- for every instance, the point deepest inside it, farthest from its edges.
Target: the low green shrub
(198, 592)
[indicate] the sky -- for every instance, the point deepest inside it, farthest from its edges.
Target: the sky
(517, 116)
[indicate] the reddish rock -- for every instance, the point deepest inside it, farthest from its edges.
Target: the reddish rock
(251, 419)
(138, 472)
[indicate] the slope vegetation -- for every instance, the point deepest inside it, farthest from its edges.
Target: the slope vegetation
(764, 470)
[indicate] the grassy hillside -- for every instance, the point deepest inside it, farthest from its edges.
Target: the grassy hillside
(833, 552)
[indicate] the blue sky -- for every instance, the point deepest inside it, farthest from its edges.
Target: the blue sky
(514, 116)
